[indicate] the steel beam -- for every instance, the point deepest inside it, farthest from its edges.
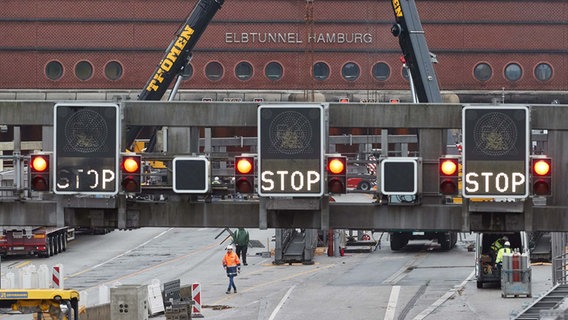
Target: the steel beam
(246, 214)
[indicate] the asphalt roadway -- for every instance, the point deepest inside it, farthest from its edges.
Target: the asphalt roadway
(419, 282)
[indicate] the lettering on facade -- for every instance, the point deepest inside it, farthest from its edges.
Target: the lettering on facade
(171, 58)
(296, 38)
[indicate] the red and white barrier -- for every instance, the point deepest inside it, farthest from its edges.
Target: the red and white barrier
(57, 277)
(196, 297)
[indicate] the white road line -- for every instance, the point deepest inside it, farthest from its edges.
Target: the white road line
(397, 276)
(393, 300)
(130, 250)
(281, 303)
(443, 298)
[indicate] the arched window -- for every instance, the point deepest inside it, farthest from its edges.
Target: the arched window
(84, 70)
(482, 72)
(350, 71)
(214, 71)
(243, 70)
(381, 71)
(321, 71)
(113, 70)
(543, 72)
(273, 71)
(513, 72)
(54, 70)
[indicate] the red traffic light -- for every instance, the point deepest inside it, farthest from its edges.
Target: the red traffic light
(448, 176)
(336, 165)
(244, 174)
(39, 172)
(39, 163)
(244, 165)
(337, 175)
(449, 167)
(541, 167)
(541, 176)
(131, 173)
(131, 164)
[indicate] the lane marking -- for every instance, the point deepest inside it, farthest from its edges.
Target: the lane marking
(22, 264)
(166, 262)
(120, 255)
(403, 271)
(393, 300)
(281, 303)
(443, 298)
(277, 280)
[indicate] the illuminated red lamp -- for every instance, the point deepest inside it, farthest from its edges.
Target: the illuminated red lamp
(448, 176)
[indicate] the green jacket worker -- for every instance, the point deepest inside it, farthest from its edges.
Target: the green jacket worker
(241, 241)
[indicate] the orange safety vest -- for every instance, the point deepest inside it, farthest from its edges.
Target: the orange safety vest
(231, 259)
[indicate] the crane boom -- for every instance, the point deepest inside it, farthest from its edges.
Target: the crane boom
(176, 57)
(408, 29)
(418, 58)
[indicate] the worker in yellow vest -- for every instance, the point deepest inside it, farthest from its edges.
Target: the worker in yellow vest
(505, 249)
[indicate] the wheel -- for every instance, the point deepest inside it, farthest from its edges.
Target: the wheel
(64, 241)
(57, 243)
(364, 186)
(61, 243)
(49, 248)
(454, 238)
(397, 241)
(53, 246)
(446, 241)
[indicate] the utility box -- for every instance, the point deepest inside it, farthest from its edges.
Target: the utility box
(129, 302)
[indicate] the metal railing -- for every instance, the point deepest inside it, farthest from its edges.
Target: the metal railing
(559, 258)
(12, 178)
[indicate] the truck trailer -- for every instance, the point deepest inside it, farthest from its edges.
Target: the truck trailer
(34, 241)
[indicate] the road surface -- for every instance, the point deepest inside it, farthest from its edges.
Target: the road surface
(419, 282)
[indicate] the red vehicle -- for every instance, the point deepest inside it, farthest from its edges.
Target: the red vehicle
(361, 183)
(361, 175)
(40, 241)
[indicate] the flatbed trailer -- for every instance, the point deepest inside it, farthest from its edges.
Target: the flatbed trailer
(35, 241)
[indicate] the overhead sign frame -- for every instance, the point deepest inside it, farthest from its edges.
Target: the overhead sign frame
(496, 150)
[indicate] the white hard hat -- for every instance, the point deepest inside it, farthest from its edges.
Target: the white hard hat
(507, 244)
(230, 247)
